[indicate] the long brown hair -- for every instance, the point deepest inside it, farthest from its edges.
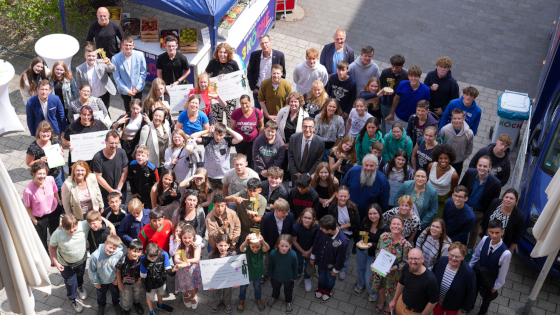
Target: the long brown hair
(330, 179)
(29, 75)
(325, 120)
(152, 96)
(313, 214)
(352, 153)
(67, 73)
(442, 237)
(203, 191)
(375, 104)
(160, 184)
(187, 229)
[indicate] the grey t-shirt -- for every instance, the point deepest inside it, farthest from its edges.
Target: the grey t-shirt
(216, 160)
(236, 183)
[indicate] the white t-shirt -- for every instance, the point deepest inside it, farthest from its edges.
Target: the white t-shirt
(344, 218)
(357, 122)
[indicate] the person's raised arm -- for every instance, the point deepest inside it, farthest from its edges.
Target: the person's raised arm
(237, 138)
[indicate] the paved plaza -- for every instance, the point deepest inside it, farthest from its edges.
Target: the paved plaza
(495, 45)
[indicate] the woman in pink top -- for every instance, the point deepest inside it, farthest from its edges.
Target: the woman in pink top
(41, 200)
(202, 89)
(248, 122)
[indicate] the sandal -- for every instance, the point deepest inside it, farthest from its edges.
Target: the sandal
(387, 311)
(378, 308)
(187, 301)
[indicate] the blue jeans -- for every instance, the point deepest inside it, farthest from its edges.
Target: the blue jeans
(256, 286)
(385, 111)
(102, 294)
(73, 279)
(210, 248)
(326, 280)
(348, 252)
(59, 180)
(256, 100)
(302, 262)
(363, 262)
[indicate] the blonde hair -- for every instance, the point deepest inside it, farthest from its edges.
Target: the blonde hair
(406, 199)
(310, 98)
(201, 76)
(143, 149)
(281, 205)
(92, 216)
(134, 205)
(182, 134)
(113, 240)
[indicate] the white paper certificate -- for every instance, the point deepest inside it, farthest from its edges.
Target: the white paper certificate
(230, 86)
(178, 96)
(383, 262)
(54, 158)
(84, 146)
(224, 272)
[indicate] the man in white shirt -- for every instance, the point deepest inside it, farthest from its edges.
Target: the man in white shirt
(131, 73)
(95, 72)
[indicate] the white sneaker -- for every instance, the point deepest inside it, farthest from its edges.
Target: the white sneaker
(82, 293)
(307, 285)
(77, 306)
(373, 297)
(341, 275)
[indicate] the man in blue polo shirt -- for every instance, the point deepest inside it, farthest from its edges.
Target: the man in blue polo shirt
(408, 94)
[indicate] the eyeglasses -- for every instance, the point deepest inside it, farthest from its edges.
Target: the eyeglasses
(307, 219)
(455, 256)
(307, 127)
(458, 196)
(415, 259)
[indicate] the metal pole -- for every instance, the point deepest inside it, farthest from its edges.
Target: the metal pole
(526, 310)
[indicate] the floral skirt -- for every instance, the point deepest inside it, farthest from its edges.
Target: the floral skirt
(188, 278)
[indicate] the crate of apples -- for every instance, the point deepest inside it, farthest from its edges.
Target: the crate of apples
(164, 34)
(188, 40)
(149, 30)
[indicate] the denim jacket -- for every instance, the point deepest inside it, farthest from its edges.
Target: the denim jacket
(69, 91)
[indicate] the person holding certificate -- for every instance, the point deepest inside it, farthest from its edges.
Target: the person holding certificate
(395, 244)
(85, 124)
(158, 98)
(36, 154)
(201, 89)
(222, 63)
(85, 98)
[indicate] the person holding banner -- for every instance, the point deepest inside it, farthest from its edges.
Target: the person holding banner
(193, 119)
(202, 90)
(36, 154)
(86, 99)
(224, 248)
(84, 124)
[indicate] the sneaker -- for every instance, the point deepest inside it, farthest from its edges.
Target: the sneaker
(373, 297)
(77, 306)
(118, 309)
(165, 308)
(326, 296)
(358, 289)
(307, 285)
(240, 306)
(260, 305)
(319, 293)
(288, 308)
(271, 302)
(82, 293)
(214, 308)
(138, 307)
(264, 279)
(342, 275)
(100, 309)
(228, 309)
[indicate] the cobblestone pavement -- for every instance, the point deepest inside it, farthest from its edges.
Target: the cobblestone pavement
(345, 301)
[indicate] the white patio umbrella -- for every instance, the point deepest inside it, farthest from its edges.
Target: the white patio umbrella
(23, 259)
(547, 234)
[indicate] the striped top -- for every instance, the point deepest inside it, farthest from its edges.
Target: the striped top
(446, 281)
(430, 248)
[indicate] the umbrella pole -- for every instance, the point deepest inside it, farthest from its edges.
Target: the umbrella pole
(526, 310)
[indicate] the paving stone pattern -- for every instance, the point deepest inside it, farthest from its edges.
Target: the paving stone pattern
(289, 39)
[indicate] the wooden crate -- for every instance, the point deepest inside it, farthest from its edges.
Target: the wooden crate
(189, 47)
(119, 21)
(149, 36)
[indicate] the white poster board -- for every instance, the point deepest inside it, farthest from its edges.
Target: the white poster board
(383, 262)
(224, 272)
(84, 146)
(178, 96)
(230, 86)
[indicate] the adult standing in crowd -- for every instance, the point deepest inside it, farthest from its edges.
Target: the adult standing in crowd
(290, 118)
(35, 153)
(156, 136)
(506, 211)
(42, 201)
(129, 126)
(457, 282)
(105, 32)
(80, 192)
(408, 94)
(329, 125)
(84, 124)
(84, 99)
(499, 154)
(172, 66)
(260, 66)
(442, 175)
(130, 74)
(63, 85)
(335, 52)
(248, 122)
(424, 196)
(95, 72)
(222, 63)
(193, 119)
(202, 89)
(273, 92)
(30, 78)
(417, 291)
(404, 210)
(367, 185)
(434, 243)
(45, 106)
(308, 71)
(305, 150)
(363, 68)
(110, 166)
(443, 86)
(191, 212)
(391, 78)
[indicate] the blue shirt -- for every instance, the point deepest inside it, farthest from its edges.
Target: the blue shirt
(305, 237)
(409, 99)
(474, 197)
(473, 114)
(192, 127)
(336, 58)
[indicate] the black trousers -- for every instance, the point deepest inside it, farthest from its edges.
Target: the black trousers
(247, 149)
(106, 98)
(458, 167)
(288, 289)
(50, 221)
(127, 99)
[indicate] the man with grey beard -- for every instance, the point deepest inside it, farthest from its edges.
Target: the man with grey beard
(367, 185)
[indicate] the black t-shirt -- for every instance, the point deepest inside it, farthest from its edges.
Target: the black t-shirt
(172, 70)
(37, 152)
(116, 219)
(419, 290)
(290, 128)
(128, 267)
(215, 68)
(110, 169)
(389, 79)
(106, 37)
(76, 128)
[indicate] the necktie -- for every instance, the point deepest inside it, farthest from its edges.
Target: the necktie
(491, 251)
(304, 157)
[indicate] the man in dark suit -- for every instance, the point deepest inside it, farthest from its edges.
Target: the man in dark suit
(305, 151)
(273, 224)
(335, 52)
(45, 106)
(260, 65)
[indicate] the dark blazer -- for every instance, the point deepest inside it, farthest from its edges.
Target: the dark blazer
(327, 56)
(55, 114)
(255, 62)
(462, 292)
(514, 229)
(314, 156)
(269, 229)
(492, 188)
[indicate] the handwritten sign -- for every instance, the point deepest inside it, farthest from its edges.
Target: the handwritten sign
(224, 272)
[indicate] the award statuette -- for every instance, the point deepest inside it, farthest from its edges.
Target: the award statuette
(255, 235)
(363, 244)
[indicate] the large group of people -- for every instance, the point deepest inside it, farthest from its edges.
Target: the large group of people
(372, 162)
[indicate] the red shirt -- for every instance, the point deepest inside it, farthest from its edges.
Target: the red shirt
(160, 237)
(205, 99)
